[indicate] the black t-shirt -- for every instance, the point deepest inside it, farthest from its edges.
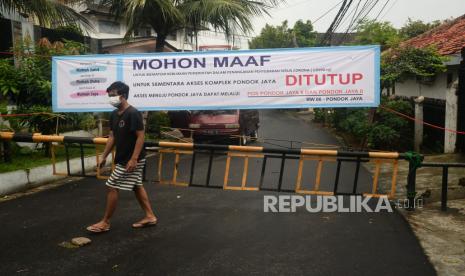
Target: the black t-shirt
(124, 129)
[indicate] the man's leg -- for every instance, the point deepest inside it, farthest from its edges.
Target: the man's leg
(144, 202)
(112, 199)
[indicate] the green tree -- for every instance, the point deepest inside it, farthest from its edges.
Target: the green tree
(401, 63)
(304, 34)
(168, 16)
(29, 82)
(273, 37)
(48, 13)
(301, 35)
(373, 32)
(387, 132)
(414, 28)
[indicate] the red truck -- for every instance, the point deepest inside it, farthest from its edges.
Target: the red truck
(238, 126)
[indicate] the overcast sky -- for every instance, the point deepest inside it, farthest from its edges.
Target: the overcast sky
(395, 11)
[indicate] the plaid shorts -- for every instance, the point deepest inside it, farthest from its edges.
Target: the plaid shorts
(123, 180)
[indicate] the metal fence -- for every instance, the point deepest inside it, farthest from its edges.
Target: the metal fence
(263, 156)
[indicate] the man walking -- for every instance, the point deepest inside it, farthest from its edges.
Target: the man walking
(127, 134)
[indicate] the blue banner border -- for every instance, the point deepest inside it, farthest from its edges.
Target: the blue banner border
(119, 58)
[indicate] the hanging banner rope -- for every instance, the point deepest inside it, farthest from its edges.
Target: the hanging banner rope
(420, 121)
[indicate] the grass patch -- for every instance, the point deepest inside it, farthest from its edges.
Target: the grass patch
(32, 159)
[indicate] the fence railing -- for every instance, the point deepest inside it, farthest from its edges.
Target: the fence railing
(246, 153)
(445, 177)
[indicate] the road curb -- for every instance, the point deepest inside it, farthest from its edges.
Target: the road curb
(21, 180)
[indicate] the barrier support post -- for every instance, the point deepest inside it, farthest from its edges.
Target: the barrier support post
(411, 191)
(445, 174)
(7, 151)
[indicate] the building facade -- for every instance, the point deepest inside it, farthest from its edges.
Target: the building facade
(440, 96)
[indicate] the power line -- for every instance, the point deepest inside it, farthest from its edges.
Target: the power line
(393, 4)
(332, 8)
(366, 14)
(342, 16)
(367, 7)
(371, 8)
(376, 18)
(329, 32)
(296, 4)
(353, 12)
(354, 18)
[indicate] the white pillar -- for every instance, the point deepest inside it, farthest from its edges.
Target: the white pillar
(418, 140)
(450, 138)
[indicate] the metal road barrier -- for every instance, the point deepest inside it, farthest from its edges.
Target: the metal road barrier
(246, 153)
(445, 176)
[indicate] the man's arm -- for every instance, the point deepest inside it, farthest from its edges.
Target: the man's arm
(132, 163)
(108, 148)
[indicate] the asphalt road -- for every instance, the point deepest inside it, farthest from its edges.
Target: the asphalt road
(278, 129)
(206, 231)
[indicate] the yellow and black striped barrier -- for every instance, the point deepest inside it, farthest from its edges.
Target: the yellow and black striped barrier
(246, 152)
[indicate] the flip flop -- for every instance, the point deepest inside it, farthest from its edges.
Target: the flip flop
(144, 224)
(96, 229)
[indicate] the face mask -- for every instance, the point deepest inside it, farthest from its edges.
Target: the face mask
(115, 101)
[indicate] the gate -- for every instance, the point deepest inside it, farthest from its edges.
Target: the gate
(188, 157)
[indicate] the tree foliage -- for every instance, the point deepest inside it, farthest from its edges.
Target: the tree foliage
(304, 34)
(388, 132)
(27, 80)
(168, 16)
(373, 32)
(272, 37)
(413, 28)
(401, 63)
(48, 13)
(300, 35)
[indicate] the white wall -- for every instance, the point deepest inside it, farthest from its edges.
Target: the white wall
(207, 38)
(413, 88)
(437, 90)
(101, 35)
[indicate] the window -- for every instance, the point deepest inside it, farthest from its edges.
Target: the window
(109, 27)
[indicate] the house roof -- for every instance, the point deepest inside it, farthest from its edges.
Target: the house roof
(448, 38)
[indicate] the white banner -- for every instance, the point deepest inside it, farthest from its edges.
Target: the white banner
(278, 78)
